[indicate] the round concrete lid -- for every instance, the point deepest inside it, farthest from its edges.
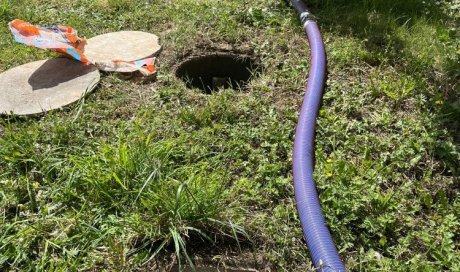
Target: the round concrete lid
(44, 85)
(122, 45)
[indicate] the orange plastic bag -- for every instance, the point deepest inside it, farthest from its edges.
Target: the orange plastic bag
(64, 40)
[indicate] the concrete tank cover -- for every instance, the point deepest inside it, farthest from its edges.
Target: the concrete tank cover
(122, 45)
(44, 85)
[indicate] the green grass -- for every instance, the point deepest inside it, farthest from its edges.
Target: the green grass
(137, 173)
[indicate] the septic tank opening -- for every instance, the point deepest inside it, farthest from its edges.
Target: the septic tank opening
(219, 70)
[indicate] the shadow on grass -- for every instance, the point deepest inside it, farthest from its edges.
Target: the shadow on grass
(353, 15)
(410, 35)
(391, 30)
(449, 118)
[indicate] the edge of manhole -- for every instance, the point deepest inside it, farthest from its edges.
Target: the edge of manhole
(245, 57)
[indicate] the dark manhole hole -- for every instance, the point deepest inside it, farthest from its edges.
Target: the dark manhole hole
(219, 70)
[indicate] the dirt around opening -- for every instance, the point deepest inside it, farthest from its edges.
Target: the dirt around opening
(211, 72)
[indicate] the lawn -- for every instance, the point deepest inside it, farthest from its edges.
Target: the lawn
(142, 175)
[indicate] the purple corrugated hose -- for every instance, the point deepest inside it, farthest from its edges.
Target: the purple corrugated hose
(322, 249)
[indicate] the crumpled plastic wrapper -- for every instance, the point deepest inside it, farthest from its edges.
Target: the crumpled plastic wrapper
(64, 40)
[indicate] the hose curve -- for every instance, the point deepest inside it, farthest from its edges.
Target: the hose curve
(322, 248)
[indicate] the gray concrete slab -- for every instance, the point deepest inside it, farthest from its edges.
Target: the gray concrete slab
(122, 45)
(44, 85)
